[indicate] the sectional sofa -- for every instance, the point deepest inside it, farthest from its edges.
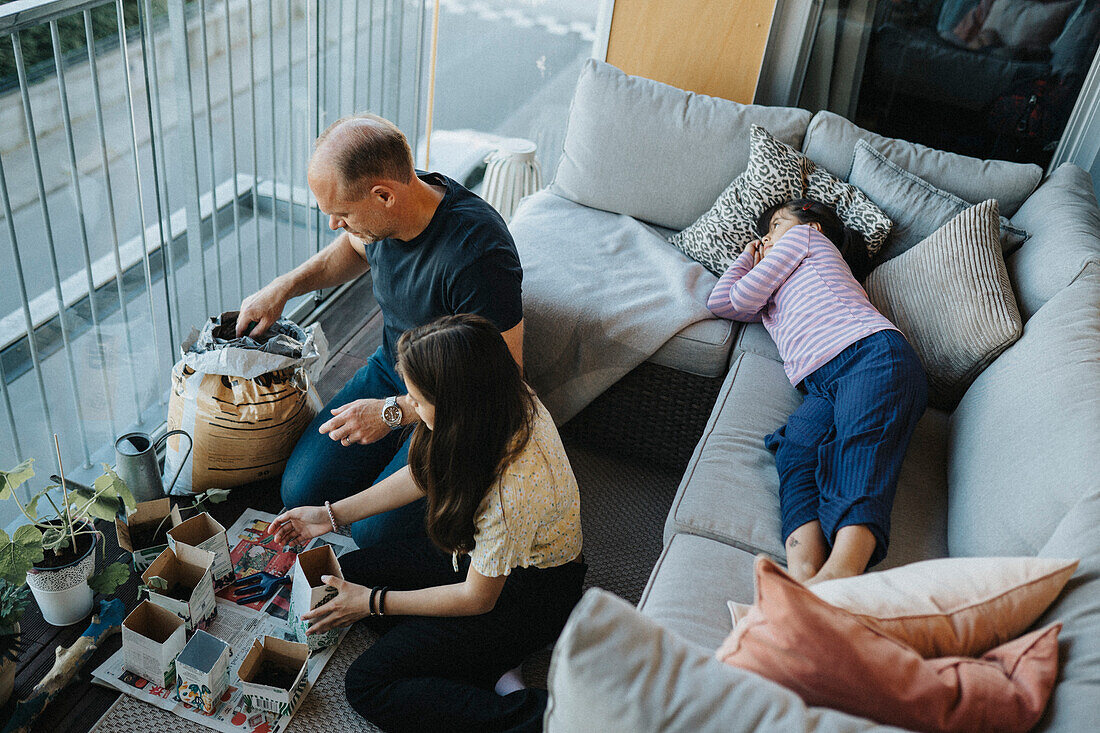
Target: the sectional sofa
(1014, 469)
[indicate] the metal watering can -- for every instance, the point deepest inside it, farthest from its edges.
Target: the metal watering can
(136, 463)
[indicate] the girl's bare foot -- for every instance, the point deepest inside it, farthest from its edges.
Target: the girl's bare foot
(851, 552)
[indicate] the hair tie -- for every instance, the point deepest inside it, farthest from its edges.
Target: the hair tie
(807, 207)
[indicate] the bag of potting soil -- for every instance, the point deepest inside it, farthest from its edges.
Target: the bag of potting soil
(244, 401)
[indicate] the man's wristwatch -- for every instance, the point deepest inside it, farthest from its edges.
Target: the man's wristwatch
(391, 413)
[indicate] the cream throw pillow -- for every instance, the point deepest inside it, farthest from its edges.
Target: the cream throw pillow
(951, 297)
(955, 606)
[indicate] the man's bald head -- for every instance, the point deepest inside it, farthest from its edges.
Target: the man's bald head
(362, 149)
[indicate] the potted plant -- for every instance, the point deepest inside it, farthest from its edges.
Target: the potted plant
(13, 601)
(55, 553)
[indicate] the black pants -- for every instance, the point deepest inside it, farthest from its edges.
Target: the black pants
(437, 674)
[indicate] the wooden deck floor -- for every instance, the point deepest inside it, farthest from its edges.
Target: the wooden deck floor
(353, 326)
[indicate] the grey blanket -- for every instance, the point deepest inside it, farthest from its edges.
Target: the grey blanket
(602, 293)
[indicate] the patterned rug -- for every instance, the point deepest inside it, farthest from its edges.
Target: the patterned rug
(623, 508)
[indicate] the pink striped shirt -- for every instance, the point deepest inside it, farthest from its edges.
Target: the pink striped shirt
(806, 296)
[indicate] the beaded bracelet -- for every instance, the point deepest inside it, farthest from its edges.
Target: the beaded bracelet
(331, 517)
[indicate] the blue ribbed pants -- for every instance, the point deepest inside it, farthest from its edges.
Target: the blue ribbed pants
(840, 453)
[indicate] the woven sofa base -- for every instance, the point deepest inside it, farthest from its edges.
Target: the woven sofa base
(654, 413)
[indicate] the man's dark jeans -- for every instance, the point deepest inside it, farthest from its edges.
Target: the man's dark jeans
(321, 469)
(438, 674)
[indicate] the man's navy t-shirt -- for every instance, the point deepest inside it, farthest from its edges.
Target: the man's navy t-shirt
(463, 262)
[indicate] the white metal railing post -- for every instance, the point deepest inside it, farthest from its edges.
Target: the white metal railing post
(255, 149)
(28, 117)
(205, 62)
(185, 135)
(233, 151)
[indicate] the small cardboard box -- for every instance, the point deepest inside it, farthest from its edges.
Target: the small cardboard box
(202, 671)
(151, 638)
(147, 515)
(191, 568)
(288, 655)
(307, 592)
(206, 533)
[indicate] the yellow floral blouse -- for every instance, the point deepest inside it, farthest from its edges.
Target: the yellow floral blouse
(532, 515)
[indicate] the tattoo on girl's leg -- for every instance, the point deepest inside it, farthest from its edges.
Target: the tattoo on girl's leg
(793, 542)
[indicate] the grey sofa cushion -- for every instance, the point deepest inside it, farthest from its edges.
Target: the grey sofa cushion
(690, 584)
(703, 348)
(730, 491)
(755, 339)
(951, 297)
(1064, 222)
(615, 670)
(917, 207)
(631, 141)
(1025, 440)
(1075, 704)
(831, 141)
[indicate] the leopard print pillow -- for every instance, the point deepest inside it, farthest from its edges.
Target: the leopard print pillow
(776, 172)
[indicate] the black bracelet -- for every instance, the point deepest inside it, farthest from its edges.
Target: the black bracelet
(370, 603)
(382, 600)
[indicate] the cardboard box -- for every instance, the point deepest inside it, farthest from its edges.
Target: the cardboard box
(202, 671)
(287, 655)
(307, 592)
(192, 568)
(151, 638)
(146, 516)
(205, 533)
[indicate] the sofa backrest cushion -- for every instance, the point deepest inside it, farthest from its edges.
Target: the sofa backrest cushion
(831, 142)
(1075, 704)
(660, 154)
(615, 670)
(1025, 440)
(1063, 220)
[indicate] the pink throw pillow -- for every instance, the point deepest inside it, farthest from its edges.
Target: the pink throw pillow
(835, 659)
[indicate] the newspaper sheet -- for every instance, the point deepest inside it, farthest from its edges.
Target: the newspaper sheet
(252, 549)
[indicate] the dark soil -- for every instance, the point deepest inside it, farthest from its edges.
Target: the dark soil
(179, 591)
(275, 675)
(142, 537)
(67, 556)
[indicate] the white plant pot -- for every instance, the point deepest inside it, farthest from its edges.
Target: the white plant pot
(63, 594)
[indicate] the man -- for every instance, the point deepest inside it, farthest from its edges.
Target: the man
(433, 249)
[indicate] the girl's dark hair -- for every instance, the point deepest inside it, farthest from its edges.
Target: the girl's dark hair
(483, 417)
(852, 245)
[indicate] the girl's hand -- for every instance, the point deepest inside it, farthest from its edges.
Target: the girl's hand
(299, 526)
(348, 606)
(753, 248)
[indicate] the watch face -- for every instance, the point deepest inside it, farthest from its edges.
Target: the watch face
(392, 414)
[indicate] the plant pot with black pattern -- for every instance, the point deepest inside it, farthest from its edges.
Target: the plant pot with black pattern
(55, 554)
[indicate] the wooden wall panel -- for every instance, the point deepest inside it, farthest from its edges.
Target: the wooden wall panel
(709, 46)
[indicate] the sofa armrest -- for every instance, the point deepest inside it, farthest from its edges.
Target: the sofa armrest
(615, 670)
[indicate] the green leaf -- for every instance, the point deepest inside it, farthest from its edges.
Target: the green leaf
(13, 479)
(107, 580)
(216, 496)
(32, 505)
(54, 538)
(19, 554)
(94, 504)
(155, 581)
(114, 487)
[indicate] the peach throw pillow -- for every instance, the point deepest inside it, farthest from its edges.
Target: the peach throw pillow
(835, 659)
(956, 606)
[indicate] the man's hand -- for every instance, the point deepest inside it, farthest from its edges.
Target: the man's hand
(357, 422)
(262, 308)
(348, 606)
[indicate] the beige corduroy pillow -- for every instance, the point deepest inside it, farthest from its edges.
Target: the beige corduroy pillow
(951, 297)
(952, 606)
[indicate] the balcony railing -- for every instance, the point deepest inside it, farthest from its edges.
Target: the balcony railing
(152, 167)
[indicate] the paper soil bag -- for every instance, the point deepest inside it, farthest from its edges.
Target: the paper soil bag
(142, 523)
(289, 656)
(202, 672)
(244, 402)
(192, 568)
(151, 638)
(307, 592)
(205, 533)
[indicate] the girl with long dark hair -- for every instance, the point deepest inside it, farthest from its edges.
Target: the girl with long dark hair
(864, 389)
(500, 569)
